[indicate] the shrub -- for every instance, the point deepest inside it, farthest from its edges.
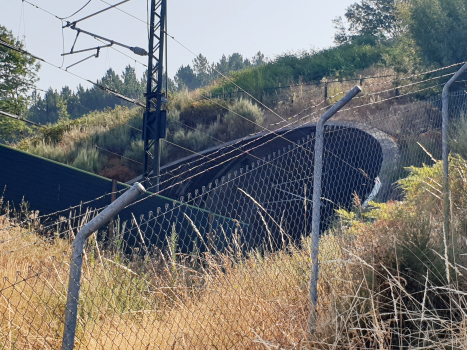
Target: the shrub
(135, 152)
(204, 112)
(173, 121)
(408, 237)
(179, 101)
(118, 172)
(243, 119)
(115, 139)
(88, 159)
(198, 140)
(458, 136)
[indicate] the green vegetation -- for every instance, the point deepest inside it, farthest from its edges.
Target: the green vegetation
(438, 28)
(389, 274)
(109, 142)
(378, 37)
(17, 77)
(389, 277)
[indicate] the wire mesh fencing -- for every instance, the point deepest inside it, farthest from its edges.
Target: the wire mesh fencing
(227, 265)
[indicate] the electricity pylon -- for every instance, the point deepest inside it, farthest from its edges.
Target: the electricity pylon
(154, 121)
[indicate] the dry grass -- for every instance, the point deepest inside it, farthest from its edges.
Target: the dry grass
(388, 279)
(32, 292)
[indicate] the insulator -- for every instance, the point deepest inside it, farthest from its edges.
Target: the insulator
(139, 51)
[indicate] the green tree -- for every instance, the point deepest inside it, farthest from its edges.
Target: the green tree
(369, 20)
(201, 68)
(258, 59)
(223, 65)
(236, 62)
(132, 87)
(18, 74)
(439, 28)
(97, 99)
(185, 77)
(51, 108)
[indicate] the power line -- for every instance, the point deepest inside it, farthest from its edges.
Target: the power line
(40, 8)
(253, 140)
(186, 149)
(105, 88)
(106, 150)
(6, 114)
(86, 4)
(237, 156)
(237, 87)
(63, 40)
(264, 128)
(129, 14)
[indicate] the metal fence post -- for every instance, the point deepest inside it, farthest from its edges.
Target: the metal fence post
(445, 125)
(74, 284)
(316, 213)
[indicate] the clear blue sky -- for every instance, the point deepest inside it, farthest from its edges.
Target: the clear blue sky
(209, 27)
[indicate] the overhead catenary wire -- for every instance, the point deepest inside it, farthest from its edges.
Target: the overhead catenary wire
(210, 168)
(75, 74)
(331, 81)
(247, 171)
(240, 140)
(121, 156)
(69, 24)
(247, 151)
(63, 40)
(264, 128)
(82, 8)
(357, 106)
(228, 180)
(101, 87)
(394, 97)
(105, 88)
(173, 38)
(195, 56)
(16, 117)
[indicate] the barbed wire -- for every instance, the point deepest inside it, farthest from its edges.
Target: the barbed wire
(249, 150)
(201, 172)
(265, 163)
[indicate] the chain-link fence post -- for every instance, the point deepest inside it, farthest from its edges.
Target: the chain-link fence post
(74, 284)
(445, 126)
(317, 172)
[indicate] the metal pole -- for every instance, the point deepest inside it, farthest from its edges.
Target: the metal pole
(316, 211)
(445, 125)
(112, 199)
(152, 118)
(157, 145)
(74, 284)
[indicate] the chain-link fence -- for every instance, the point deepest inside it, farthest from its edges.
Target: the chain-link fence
(227, 265)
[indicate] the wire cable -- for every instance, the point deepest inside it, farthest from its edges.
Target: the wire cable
(61, 19)
(205, 170)
(106, 150)
(264, 128)
(231, 82)
(86, 4)
(119, 9)
(16, 117)
(105, 88)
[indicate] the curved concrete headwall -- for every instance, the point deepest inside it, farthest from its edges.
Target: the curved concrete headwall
(390, 152)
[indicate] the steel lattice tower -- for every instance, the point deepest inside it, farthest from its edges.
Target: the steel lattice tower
(154, 121)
